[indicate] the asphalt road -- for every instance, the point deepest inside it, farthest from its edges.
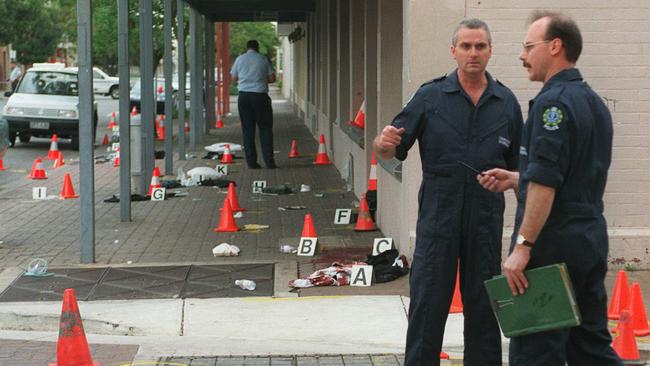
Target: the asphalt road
(20, 158)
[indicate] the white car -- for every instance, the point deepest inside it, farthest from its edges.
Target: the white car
(45, 102)
(104, 84)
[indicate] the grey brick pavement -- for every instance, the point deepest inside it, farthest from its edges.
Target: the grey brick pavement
(37, 353)
(179, 230)
(315, 360)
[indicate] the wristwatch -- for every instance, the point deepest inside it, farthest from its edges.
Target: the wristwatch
(521, 240)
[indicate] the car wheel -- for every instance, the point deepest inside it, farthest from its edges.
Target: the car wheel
(24, 138)
(12, 139)
(115, 92)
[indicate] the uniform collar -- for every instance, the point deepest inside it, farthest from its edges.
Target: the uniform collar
(452, 85)
(571, 74)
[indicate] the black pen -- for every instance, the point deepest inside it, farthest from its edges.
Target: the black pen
(469, 167)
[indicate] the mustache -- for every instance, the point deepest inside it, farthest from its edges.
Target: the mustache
(525, 64)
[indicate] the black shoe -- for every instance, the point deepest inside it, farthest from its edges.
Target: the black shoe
(254, 166)
(271, 165)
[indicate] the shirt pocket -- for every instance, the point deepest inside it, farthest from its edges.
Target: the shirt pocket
(441, 136)
(493, 143)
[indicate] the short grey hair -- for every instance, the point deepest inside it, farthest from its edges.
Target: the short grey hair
(471, 23)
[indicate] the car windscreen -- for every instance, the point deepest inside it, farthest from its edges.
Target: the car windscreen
(49, 82)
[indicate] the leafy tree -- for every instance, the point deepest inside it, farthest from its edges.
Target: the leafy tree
(31, 27)
(263, 32)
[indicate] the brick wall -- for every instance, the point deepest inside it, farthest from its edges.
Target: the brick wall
(615, 62)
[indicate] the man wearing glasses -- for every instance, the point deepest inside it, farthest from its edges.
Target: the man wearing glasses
(463, 120)
(566, 150)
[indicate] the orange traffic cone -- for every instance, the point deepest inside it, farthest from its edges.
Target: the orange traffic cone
(444, 356)
(360, 118)
(226, 158)
(625, 344)
(232, 196)
(134, 111)
(227, 221)
(457, 301)
(67, 191)
(2, 165)
(72, 347)
(54, 149)
(59, 162)
(37, 170)
(620, 296)
(105, 141)
(308, 229)
(116, 160)
(160, 128)
(364, 221)
(639, 321)
(372, 177)
(187, 126)
(321, 157)
(293, 153)
(219, 123)
(160, 89)
(112, 122)
(155, 180)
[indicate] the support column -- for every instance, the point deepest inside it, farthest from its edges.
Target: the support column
(357, 56)
(332, 63)
(167, 66)
(124, 115)
(180, 26)
(210, 65)
(86, 140)
(343, 113)
(195, 83)
(147, 101)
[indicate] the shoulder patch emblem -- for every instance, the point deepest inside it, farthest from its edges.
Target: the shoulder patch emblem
(552, 118)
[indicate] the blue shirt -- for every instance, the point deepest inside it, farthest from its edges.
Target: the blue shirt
(252, 71)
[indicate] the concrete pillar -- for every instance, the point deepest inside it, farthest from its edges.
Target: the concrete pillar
(343, 113)
(357, 56)
(370, 81)
(332, 64)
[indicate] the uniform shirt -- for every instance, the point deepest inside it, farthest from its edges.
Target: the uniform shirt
(567, 145)
(449, 128)
(15, 74)
(252, 71)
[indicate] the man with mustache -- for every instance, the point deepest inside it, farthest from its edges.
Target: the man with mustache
(566, 150)
(468, 118)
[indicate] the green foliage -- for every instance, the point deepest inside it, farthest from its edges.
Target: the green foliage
(263, 32)
(31, 27)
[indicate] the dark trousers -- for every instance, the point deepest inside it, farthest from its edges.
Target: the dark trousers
(255, 109)
(442, 243)
(590, 343)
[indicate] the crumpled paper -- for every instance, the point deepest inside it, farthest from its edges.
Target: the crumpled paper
(225, 250)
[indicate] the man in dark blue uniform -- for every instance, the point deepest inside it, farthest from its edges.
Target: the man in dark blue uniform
(566, 151)
(465, 117)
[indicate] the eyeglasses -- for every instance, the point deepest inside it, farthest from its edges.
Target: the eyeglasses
(530, 45)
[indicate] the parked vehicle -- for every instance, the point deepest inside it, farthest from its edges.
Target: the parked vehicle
(159, 93)
(4, 137)
(45, 102)
(103, 83)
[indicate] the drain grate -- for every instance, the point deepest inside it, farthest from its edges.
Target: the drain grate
(160, 282)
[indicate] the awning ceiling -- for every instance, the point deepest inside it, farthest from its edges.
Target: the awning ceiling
(254, 10)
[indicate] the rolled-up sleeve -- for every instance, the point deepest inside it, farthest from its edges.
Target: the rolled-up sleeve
(411, 118)
(548, 153)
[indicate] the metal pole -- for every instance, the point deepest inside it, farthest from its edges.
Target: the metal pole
(147, 103)
(180, 25)
(225, 62)
(86, 121)
(210, 63)
(125, 130)
(201, 69)
(195, 87)
(167, 66)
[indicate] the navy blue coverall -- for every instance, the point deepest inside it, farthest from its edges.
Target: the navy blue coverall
(457, 218)
(567, 145)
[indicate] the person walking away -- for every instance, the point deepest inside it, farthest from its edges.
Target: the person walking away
(253, 72)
